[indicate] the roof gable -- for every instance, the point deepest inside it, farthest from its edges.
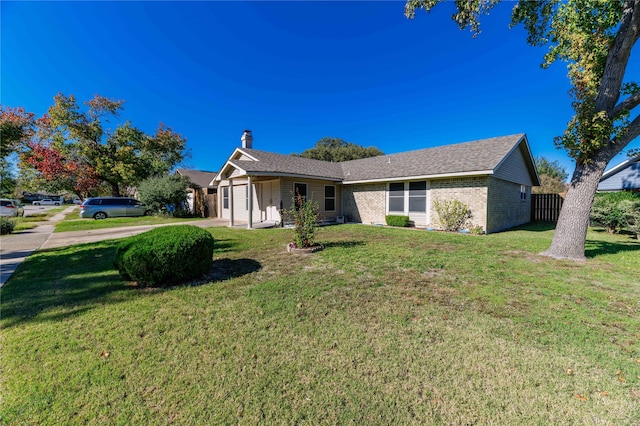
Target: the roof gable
(202, 178)
(255, 162)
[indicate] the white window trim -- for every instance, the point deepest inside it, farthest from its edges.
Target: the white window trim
(334, 198)
(225, 196)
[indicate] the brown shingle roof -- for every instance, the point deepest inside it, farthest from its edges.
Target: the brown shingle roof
(202, 178)
(482, 156)
(462, 158)
(280, 164)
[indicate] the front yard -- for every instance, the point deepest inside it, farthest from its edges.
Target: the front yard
(384, 326)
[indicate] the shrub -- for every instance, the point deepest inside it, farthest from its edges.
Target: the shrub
(452, 215)
(6, 225)
(165, 255)
(305, 218)
(397, 220)
(632, 214)
(165, 194)
(610, 209)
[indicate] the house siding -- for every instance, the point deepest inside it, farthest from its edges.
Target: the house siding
(505, 208)
(471, 191)
(365, 203)
(626, 179)
(514, 168)
(315, 192)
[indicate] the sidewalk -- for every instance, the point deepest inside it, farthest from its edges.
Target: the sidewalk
(16, 247)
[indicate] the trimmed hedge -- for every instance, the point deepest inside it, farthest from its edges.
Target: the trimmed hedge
(165, 255)
(397, 220)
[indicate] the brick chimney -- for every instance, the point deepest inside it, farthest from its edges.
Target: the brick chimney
(247, 139)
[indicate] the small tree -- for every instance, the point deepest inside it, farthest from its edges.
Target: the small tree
(158, 193)
(552, 177)
(305, 217)
(452, 215)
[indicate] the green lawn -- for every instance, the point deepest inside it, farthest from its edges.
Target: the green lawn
(72, 222)
(384, 326)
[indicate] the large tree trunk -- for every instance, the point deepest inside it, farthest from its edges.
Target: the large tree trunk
(115, 189)
(573, 222)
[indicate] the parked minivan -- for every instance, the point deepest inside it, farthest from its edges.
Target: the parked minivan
(11, 208)
(104, 207)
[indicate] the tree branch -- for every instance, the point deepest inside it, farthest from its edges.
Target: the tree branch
(628, 104)
(633, 131)
(618, 56)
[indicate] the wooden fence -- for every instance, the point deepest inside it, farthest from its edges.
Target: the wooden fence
(545, 207)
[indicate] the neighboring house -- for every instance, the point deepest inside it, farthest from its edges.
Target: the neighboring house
(202, 199)
(624, 176)
(492, 176)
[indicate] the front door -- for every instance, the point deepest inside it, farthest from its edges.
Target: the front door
(271, 200)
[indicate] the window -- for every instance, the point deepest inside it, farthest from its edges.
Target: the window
(396, 197)
(418, 197)
(523, 192)
(301, 190)
(329, 198)
(225, 197)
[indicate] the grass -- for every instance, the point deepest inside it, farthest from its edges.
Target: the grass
(72, 222)
(33, 220)
(384, 326)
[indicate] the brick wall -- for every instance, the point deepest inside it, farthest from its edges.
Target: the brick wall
(365, 203)
(494, 203)
(471, 191)
(506, 209)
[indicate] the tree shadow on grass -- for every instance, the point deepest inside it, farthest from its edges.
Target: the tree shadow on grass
(59, 283)
(595, 248)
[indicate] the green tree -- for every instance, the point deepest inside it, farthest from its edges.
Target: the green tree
(16, 127)
(119, 157)
(7, 182)
(595, 38)
(337, 150)
(159, 192)
(552, 176)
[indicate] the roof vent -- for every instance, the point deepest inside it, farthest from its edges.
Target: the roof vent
(247, 139)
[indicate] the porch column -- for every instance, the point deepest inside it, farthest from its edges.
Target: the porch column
(250, 202)
(231, 202)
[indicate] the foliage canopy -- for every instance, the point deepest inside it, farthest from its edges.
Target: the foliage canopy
(75, 148)
(337, 150)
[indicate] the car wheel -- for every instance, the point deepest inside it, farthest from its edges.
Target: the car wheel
(57, 204)
(147, 213)
(100, 216)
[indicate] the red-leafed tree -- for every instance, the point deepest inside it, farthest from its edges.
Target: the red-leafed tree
(77, 151)
(61, 172)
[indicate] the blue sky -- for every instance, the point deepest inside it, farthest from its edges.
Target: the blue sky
(292, 72)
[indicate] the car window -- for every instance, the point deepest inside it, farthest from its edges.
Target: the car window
(5, 203)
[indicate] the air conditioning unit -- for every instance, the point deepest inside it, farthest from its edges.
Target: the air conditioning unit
(340, 219)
